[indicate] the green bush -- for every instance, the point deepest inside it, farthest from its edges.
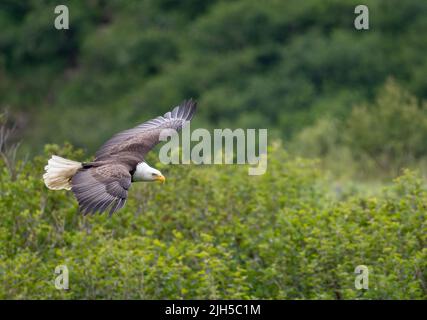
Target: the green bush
(375, 140)
(215, 232)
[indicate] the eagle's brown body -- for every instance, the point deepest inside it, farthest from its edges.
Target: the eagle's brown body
(103, 184)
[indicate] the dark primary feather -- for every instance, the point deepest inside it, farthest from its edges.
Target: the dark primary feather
(102, 188)
(136, 142)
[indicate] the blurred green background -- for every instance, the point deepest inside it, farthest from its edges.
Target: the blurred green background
(354, 100)
(298, 68)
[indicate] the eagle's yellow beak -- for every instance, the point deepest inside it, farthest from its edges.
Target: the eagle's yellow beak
(161, 178)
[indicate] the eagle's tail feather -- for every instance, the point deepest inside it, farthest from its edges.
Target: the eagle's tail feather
(59, 171)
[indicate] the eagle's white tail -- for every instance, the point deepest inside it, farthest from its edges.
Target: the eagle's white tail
(59, 171)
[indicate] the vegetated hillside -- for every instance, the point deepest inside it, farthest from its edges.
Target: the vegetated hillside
(375, 142)
(276, 64)
(215, 232)
(353, 99)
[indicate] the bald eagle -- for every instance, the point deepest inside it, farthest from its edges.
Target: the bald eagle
(103, 184)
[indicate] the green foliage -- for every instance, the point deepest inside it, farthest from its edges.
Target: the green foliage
(392, 131)
(278, 64)
(378, 139)
(298, 68)
(215, 232)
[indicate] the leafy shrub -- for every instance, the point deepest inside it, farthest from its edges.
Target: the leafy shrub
(215, 232)
(378, 139)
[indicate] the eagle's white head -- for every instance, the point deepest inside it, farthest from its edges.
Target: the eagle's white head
(144, 172)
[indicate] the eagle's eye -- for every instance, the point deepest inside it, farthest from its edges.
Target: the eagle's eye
(154, 174)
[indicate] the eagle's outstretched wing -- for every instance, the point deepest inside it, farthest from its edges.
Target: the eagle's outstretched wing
(100, 188)
(140, 140)
(103, 184)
